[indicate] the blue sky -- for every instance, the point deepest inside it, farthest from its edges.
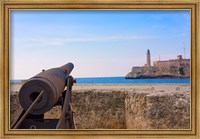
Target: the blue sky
(98, 42)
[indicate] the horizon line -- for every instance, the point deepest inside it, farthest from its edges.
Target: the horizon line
(81, 77)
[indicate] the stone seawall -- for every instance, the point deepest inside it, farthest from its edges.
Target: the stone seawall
(96, 109)
(157, 111)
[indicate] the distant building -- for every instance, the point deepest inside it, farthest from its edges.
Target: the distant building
(148, 58)
(172, 68)
(179, 62)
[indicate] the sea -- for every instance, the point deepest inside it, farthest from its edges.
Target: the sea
(122, 80)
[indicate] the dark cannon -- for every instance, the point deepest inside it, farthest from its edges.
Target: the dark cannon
(41, 93)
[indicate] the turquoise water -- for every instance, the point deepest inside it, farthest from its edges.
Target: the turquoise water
(122, 80)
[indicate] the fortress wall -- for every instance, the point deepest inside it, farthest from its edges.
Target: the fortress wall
(186, 62)
(124, 109)
(143, 69)
(15, 107)
(135, 69)
(157, 111)
(135, 111)
(169, 63)
(163, 64)
(95, 109)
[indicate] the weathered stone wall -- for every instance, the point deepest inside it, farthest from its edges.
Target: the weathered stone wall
(135, 109)
(157, 111)
(94, 109)
(15, 107)
(124, 109)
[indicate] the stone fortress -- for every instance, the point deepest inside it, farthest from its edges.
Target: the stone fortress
(173, 68)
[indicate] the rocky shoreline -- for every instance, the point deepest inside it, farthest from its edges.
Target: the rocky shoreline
(156, 72)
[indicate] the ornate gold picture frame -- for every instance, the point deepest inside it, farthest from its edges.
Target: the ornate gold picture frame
(7, 5)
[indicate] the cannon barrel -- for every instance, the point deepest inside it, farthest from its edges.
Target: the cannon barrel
(52, 82)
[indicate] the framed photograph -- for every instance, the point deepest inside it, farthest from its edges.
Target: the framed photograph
(103, 68)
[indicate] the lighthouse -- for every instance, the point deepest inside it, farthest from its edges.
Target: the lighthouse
(148, 58)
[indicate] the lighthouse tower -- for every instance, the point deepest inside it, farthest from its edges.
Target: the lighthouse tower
(148, 58)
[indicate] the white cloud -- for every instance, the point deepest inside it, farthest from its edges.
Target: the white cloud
(62, 41)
